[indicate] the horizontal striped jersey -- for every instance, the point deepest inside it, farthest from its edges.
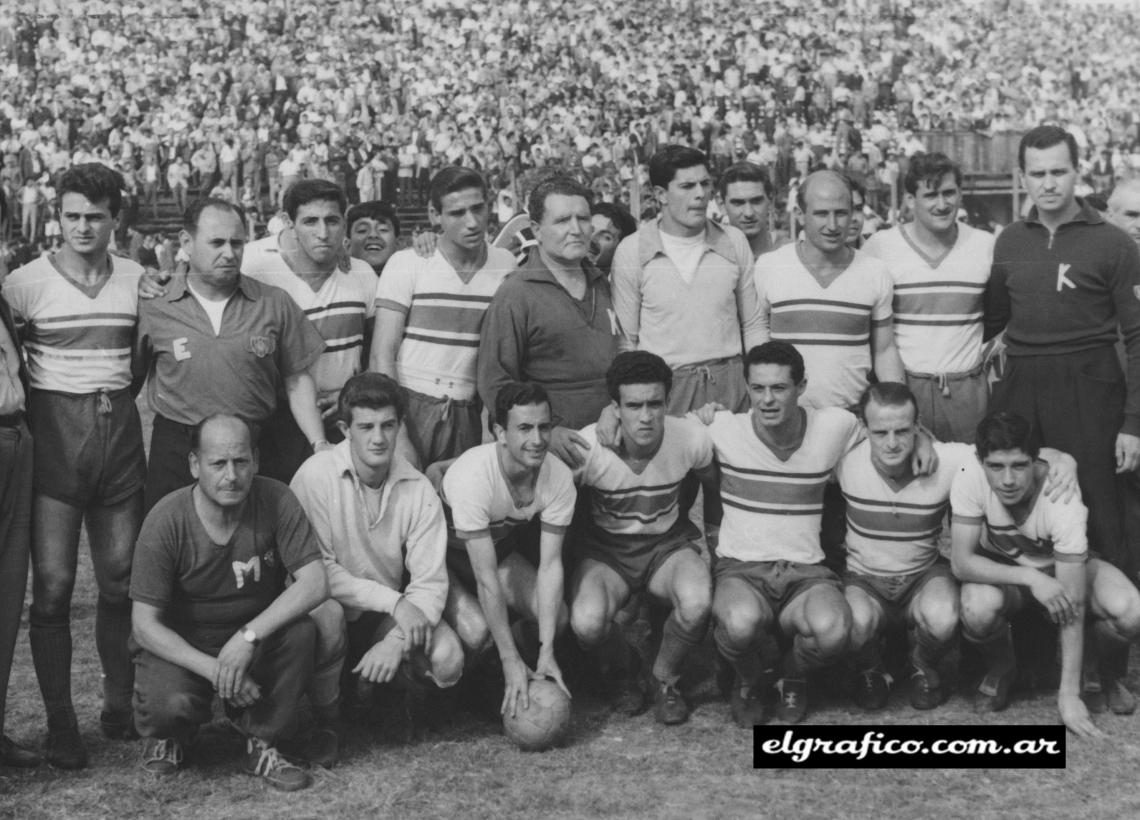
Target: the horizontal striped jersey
(893, 529)
(338, 310)
(1051, 532)
(77, 341)
(627, 503)
(830, 326)
(938, 302)
(442, 318)
(480, 501)
(773, 508)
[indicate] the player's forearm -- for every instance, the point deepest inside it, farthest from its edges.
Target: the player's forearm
(301, 391)
(163, 642)
(549, 586)
(494, 607)
(309, 589)
(1073, 577)
(978, 569)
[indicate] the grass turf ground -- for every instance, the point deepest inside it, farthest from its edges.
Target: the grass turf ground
(611, 766)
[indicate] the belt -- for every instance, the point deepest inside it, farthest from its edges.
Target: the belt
(12, 419)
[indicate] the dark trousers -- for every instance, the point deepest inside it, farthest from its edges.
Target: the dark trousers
(171, 701)
(1075, 403)
(15, 541)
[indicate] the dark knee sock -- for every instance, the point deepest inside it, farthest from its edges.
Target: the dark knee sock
(1111, 651)
(112, 629)
(869, 658)
(926, 651)
(51, 655)
(745, 662)
(676, 641)
(804, 657)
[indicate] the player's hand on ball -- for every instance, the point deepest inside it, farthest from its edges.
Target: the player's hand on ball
(1075, 716)
(517, 677)
(548, 668)
(381, 662)
(1051, 595)
(416, 627)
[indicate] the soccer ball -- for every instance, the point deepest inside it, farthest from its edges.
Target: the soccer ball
(544, 722)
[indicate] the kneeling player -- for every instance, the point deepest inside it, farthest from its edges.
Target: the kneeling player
(1009, 542)
(494, 491)
(383, 540)
(635, 539)
(894, 518)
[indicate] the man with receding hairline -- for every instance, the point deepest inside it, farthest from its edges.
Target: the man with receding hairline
(1124, 208)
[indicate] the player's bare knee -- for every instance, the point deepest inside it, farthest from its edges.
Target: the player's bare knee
(938, 617)
(471, 627)
(740, 628)
(589, 623)
(981, 607)
(332, 632)
(446, 659)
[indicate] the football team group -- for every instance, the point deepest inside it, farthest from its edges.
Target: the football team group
(378, 475)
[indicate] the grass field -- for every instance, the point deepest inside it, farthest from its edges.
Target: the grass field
(610, 767)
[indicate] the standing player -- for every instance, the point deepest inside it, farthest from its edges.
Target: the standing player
(15, 514)
(384, 539)
(552, 322)
(683, 289)
(1063, 287)
(939, 268)
(219, 342)
(633, 540)
(746, 194)
(1009, 542)
(372, 230)
(494, 491)
(829, 299)
(78, 309)
(430, 314)
(304, 261)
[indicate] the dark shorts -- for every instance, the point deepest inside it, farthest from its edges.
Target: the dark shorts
(951, 405)
(636, 558)
(778, 582)
(444, 428)
(88, 447)
(523, 540)
(695, 385)
(895, 592)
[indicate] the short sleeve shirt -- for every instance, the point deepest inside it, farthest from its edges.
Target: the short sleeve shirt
(197, 583)
(195, 373)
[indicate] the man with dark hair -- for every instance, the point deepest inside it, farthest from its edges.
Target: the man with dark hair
(610, 223)
(307, 261)
(746, 194)
(1063, 287)
(430, 314)
(683, 287)
(939, 268)
(383, 538)
(1008, 539)
(895, 572)
(553, 321)
(212, 612)
(636, 540)
(77, 310)
(219, 342)
(371, 233)
(497, 493)
(15, 513)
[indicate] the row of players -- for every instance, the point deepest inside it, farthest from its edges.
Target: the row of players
(441, 593)
(220, 342)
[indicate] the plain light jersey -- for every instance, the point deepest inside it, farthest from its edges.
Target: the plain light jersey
(830, 326)
(442, 318)
(629, 503)
(1051, 532)
(772, 508)
(76, 343)
(938, 303)
(480, 500)
(892, 529)
(338, 310)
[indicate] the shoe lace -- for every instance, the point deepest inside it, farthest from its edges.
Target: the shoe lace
(167, 749)
(269, 760)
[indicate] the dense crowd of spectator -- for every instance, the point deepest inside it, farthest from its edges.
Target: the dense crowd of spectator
(243, 97)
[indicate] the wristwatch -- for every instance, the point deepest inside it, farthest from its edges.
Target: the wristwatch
(249, 636)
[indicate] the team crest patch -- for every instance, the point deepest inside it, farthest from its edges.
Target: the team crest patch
(261, 346)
